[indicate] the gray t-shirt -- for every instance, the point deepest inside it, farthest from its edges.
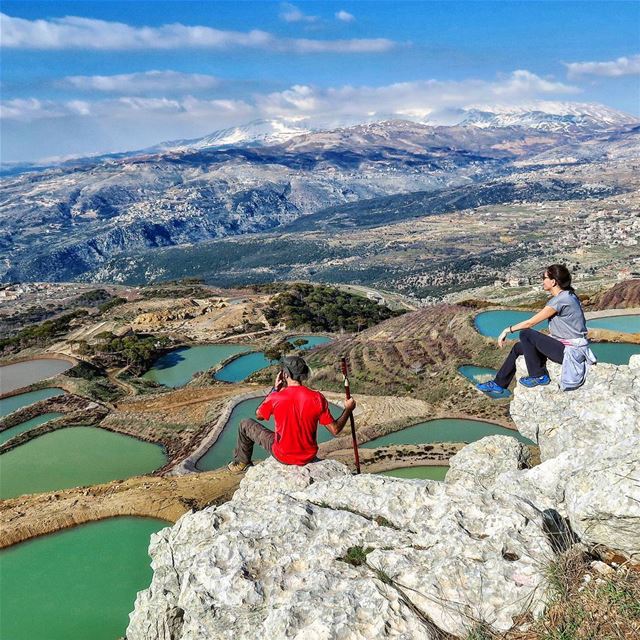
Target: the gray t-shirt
(569, 322)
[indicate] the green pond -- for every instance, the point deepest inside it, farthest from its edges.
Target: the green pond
(243, 366)
(221, 452)
(9, 405)
(75, 456)
(422, 473)
(623, 324)
(7, 434)
(77, 584)
(491, 323)
(21, 374)
(176, 368)
(614, 352)
(444, 430)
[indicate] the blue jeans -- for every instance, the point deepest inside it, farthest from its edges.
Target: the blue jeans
(536, 348)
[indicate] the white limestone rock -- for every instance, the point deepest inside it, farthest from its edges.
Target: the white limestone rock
(267, 564)
(603, 500)
(270, 563)
(480, 463)
(605, 410)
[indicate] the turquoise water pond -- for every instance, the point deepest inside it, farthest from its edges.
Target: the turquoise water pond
(614, 352)
(7, 434)
(76, 584)
(9, 405)
(420, 473)
(242, 367)
(444, 430)
(221, 452)
(176, 368)
(624, 324)
(21, 374)
(75, 456)
(491, 323)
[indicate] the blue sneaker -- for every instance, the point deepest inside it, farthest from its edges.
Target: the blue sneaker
(491, 388)
(535, 381)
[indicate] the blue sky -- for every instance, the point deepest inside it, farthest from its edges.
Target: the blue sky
(97, 76)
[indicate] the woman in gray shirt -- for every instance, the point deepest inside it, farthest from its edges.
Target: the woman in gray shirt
(566, 324)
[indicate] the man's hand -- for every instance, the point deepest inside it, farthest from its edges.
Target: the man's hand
(350, 405)
(279, 383)
(502, 338)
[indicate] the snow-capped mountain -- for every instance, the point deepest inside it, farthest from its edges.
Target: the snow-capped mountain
(549, 116)
(64, 221)
(559, 117)
(255, 133)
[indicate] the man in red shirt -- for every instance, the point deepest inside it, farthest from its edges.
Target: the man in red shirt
(297, 410)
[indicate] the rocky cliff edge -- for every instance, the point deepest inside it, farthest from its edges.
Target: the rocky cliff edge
(314, 552)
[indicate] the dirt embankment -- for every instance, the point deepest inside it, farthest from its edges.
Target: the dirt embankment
(623, 295)
(75, 410)
(157, 497)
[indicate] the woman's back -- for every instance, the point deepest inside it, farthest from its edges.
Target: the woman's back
(569, 322)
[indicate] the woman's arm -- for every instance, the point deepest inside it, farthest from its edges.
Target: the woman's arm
(544, 314)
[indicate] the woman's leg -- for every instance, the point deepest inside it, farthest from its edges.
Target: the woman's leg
(537, 348)
(508, 369)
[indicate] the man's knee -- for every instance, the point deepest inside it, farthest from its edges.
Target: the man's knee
(246, 424)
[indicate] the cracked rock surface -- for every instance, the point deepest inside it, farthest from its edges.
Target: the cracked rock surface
(313, 552)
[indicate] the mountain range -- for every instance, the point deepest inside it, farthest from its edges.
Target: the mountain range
(62, 222)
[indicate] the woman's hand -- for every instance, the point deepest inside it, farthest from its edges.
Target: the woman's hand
(502, 338)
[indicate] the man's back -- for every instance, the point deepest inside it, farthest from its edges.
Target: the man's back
(297, 411)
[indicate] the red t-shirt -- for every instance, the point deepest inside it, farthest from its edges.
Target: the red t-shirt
(297, 411)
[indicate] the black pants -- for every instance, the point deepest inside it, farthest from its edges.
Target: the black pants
(536, 348)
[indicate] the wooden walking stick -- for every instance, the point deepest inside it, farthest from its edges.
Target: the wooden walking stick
(347, 393)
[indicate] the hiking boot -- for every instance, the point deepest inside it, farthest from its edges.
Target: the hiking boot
(238, 467)
(535, 381)
(491, 388)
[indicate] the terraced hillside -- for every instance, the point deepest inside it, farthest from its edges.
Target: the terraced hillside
(416, 355)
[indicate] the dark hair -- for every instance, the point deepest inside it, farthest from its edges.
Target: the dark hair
(561, 275)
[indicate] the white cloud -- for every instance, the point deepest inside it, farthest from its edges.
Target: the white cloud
(74, 32)
(369, 45)
(291, 13)
(123, 107)
(345, 16)
(420, 99)
(30, 109)
(624, 66)
(144, 82)
(36, 128)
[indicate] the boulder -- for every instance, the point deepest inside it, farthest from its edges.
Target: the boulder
(480, 463)
(317, 553)
(605, 410)
(314, 552)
